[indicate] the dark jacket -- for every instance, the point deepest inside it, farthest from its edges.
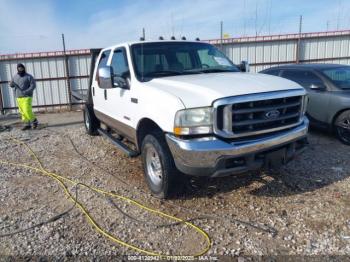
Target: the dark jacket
(24, 85)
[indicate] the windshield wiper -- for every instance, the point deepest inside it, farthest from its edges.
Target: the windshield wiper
(216, 70)
(162, 73)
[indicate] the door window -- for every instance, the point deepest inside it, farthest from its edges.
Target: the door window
(104, 58)
(119, 63)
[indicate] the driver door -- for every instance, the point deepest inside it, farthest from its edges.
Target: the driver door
(119, 99)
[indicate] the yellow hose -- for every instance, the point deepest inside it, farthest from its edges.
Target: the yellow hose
(90, 219)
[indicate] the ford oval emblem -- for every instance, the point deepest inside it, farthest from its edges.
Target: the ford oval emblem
(273, 114)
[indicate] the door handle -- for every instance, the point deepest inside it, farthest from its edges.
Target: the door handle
(105, 93)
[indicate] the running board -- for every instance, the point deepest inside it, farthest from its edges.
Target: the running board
(118, 143)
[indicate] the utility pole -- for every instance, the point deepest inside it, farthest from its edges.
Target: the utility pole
(256, 18)
(300, 24)
(67, 73)
(221, 35)
(63, 44)
(297, 59)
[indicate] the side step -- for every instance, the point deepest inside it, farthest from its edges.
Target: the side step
(118, 143)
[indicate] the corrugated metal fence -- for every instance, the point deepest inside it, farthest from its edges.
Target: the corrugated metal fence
(267, 51)
(59, 74)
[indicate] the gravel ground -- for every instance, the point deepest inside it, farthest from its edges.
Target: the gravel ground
(303, 209)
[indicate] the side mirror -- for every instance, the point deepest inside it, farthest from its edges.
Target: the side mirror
(105, 77)
(244, 66)
(318, 87)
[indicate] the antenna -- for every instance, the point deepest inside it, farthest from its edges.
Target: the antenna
(172, 24)
(143, 37)
(269, 15)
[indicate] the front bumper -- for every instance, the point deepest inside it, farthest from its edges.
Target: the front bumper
(211, 156)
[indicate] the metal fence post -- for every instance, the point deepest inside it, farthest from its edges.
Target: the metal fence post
(67, 73)
(2, 111)
(297, 54)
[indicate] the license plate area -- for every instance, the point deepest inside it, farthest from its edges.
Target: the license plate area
(275, 159)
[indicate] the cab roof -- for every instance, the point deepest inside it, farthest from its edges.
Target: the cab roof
(151, 41)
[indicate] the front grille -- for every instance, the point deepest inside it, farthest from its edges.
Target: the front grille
(258, 116)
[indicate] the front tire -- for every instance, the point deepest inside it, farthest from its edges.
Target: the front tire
(91, 123)
(162, 177)
(342, 127)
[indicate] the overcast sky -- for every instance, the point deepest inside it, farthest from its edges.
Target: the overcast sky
(36, 25)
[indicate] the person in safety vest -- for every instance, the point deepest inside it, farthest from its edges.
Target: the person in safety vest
(24, 85)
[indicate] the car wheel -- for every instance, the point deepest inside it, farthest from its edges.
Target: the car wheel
(162, 177)
(342, 127)
(91, 123)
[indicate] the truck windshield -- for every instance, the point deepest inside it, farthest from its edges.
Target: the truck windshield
(163, 59)
(340, 76)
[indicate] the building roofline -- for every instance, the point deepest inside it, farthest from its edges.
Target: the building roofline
(278, 37)
(43, 54)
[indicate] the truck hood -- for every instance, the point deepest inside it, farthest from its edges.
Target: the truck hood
(199, 90)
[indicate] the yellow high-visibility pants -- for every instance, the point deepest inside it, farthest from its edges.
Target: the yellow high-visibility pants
(25, 109)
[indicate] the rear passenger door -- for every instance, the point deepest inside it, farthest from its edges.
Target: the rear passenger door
(318, 98)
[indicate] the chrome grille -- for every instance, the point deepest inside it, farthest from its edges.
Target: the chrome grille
(258, 114)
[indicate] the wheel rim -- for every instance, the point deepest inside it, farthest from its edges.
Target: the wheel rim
(154, 166)
(87, 120)
(344, 129)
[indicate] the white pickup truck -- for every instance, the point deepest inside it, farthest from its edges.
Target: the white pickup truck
(187, 109)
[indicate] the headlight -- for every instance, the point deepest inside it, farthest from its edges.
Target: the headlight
(304, 105)
(194, 121)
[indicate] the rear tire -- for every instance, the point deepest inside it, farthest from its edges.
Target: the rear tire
(91, 122)
(162, 177)
(342, 127)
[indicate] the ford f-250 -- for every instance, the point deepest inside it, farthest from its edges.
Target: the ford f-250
(187, 109)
